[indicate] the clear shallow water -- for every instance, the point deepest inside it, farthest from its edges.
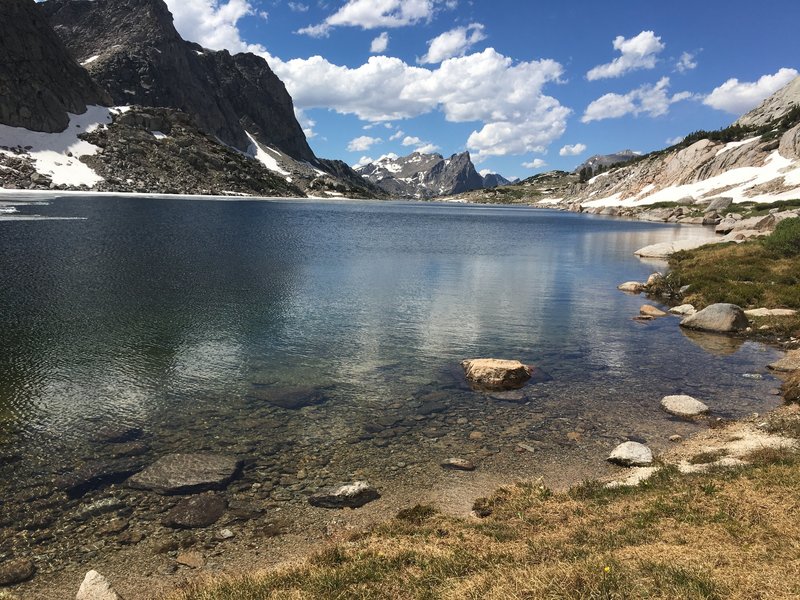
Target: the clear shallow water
(183, 317)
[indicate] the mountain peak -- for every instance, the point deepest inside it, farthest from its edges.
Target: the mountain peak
(421, 175)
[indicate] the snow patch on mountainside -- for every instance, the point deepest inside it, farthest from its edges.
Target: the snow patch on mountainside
(58, 154)
(736, 183)
(264, 157)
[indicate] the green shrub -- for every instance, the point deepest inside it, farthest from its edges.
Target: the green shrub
(785, 240)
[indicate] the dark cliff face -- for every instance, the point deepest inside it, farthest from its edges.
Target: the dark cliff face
(141, 59)
(39, 81)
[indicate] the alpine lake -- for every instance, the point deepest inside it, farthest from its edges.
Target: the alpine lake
(320, 343)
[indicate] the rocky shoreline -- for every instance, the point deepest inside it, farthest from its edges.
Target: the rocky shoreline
(148, 535)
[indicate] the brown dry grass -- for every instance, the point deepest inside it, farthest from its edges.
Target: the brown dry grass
(732, 534)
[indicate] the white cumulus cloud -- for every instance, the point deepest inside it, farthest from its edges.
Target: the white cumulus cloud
(427, 148)
(212, 23)
(364, 160)
(638, 52)
(453, 43)
(380, 43)
(362, 143)
(536, 163)
(411, 141)
(572, 150)
(503, 96)
(652, 100)
(737, 97)
(374, 14)
(397, 135)
(306, 122)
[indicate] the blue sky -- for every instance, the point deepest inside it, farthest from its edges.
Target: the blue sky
(524, 86)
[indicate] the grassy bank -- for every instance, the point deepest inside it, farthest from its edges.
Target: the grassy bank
(755, 274)
(722, 534)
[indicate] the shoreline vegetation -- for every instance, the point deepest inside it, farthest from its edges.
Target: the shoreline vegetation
(714, 517)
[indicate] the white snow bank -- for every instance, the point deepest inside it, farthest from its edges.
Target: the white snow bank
(740, 181)
(159, 136)
(264, 157)
(732, 145)
(90, 60)
(49, 150)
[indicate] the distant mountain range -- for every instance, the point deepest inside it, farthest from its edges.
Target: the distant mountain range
(426, 176)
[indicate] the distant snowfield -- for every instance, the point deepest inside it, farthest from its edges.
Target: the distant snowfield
(49, 151)
(741, 181)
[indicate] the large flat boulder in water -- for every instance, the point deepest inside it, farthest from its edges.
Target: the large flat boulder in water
(496, 374)
(720, 318)
(664, 249)
(683, 406)
(187, 473)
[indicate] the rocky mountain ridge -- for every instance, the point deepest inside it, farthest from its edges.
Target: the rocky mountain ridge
(423, 176)
(132, 49)
(225, 104)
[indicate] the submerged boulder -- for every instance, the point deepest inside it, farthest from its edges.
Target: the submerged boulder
(292, 398)
(496, 374)
(187, 473)
(351, 495)
(651, 311)
(720, 318)
(194, 512)
(631, 454)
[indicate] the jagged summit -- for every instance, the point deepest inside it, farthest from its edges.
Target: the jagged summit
(39, 81)
(132, 49)
(421, 175)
